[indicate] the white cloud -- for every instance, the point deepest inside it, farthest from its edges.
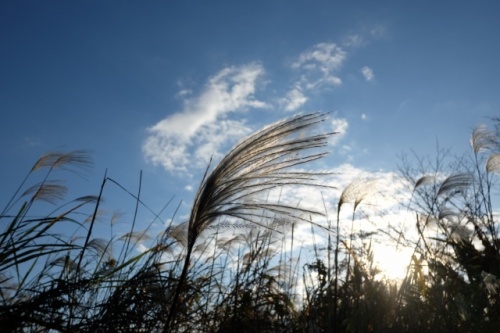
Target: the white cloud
(184, 93)
(379, 31)
(367, 73)
(294, 99)
(318, 68)
(213, 135)
(319, 65)
(339, 125)
(364, 117)
(325, 56)
(202, 123)
(376, 211)
(354, 41)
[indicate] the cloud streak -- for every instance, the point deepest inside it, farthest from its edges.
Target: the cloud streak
(367, 73)
(320, 64)
(207, 124)
(192, 135)
(294, 99)
(317, 68)
(340, 126)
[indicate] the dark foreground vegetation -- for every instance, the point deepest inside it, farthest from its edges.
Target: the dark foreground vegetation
(57, 274)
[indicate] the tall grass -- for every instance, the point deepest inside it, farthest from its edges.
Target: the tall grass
(255, 166)
(236, 264)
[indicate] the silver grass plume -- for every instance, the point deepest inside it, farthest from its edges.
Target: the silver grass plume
(424, 180)
(493, 163)
(178, 233)
(68, 264)
(455, 183)
(254, 166)
(68, 161)
(51, 192)
(483, 139)
(227, 244)
(116, 216)
(48, 191)
(135, 236)
(447, 213)
(357, 191)
(101, 247)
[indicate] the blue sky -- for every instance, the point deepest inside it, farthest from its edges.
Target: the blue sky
(161, 86)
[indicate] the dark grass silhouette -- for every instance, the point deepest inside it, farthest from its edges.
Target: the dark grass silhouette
(198, 277)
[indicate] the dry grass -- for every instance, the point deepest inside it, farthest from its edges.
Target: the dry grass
(206, 276)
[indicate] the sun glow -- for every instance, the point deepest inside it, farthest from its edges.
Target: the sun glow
(393, 263)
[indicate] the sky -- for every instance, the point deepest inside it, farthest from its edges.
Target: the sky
(164, 86)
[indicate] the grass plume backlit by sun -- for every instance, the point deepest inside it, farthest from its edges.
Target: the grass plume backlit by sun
(241, 263)
(256, 165)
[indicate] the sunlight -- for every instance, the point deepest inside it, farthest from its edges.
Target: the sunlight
(392, 262)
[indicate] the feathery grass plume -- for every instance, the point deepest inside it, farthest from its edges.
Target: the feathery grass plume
(76, 159)
(493, 163)
(424, 180)
(425, 219)
(96, 216)
(46, 160)
(455, 183)
(447, 213)
(116, 216)
(48, 191)
(65, 262)
(135, 237)
(227, 244)
(483, 139)
(86, 199)
(101, 247)
(178, 233)
(53, 160)
(460, 233)
(357, 191)
(255, 165)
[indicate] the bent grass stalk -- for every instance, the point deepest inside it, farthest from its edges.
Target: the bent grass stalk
(254, 166)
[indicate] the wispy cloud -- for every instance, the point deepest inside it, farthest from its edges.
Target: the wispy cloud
(365, 35)
(206, 124)
(340, 126)
(294, 99)
(353, 41)
(320, 65)
(367, 73)
(317, 68)
(192, 135)
(379, 31)
(31, 142)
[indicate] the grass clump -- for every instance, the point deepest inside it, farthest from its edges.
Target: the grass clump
(237, 264)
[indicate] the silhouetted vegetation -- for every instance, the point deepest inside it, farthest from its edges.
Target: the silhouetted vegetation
(233, 265)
